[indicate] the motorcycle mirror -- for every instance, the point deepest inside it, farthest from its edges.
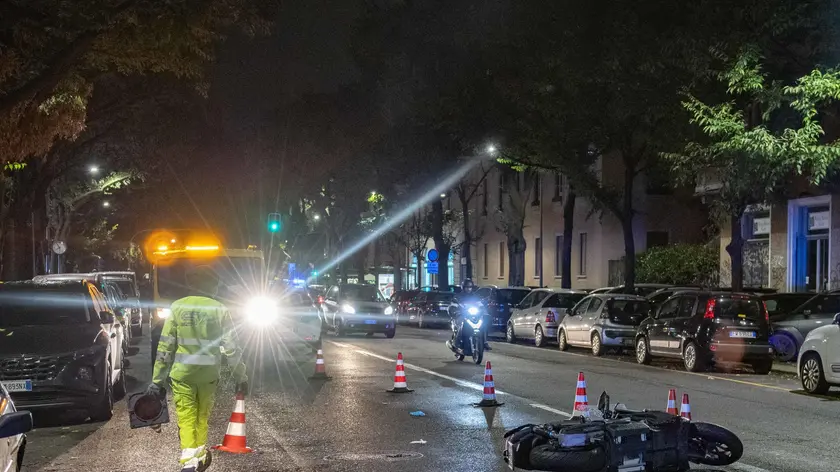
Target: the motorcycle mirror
(604, 401)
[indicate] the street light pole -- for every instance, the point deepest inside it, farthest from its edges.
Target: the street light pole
(542, 241)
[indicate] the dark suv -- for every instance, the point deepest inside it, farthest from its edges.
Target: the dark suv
(61, 347)
(500, 303)
(701, 327)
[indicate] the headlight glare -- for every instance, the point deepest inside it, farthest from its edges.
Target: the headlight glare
(472, 310)
(475, 325)
(389, 310)
(163, 313)
(261, 311)
(348, 309)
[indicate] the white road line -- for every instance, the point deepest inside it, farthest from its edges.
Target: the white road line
(549, 409)
(746, 467)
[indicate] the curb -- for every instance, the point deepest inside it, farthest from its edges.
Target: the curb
(784, 367)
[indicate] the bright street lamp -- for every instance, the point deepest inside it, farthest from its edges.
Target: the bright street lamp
(443, 195)
(316, 217)
(93, 170)
(106, 204)
(491, 149)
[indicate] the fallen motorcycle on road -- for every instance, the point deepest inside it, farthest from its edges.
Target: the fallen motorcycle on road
(620, 440)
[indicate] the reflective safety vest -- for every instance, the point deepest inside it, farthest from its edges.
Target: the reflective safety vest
(195, 336)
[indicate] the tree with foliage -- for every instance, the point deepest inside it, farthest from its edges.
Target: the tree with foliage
(765, 133)
(52, 52)
(516, 188)
(471, 186)
(680, 264)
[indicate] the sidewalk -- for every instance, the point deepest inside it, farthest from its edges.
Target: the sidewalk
(786, 367)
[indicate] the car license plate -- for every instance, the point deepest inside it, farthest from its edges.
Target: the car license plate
(742, 334)
(18, 385)
(370, 321)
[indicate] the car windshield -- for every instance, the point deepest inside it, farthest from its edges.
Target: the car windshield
(361, 293)
(43, 308)
(439, 297)
(824, 303)
(234, 271)
(628, 306)
(739, 308)
(563, 300)
(512, 296)
(127, 286)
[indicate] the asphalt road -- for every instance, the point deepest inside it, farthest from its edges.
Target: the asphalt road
(352, 423)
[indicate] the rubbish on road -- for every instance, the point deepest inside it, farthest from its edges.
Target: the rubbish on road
(147, 410)
(234, 441)
(685, 408)
(320, 368)
(581, 404)
(672, 402)
(400, 385)
(489, 399)
(620, 439)
(420, 441)
(417, 413)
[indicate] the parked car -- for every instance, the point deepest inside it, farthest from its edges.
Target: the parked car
(400, 301)
(14, 425)
(702, 327)
(538, 315)
(601, 290)
(358, 308)
(790, 330)
(64, 351)
(639, 289)
(659, 296)
(500, 303)
(603, 321)
(819, 358)
(127, 283)
(430, 309)
(755, 290)
(780, 304)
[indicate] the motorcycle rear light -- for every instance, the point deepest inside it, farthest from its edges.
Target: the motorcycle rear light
(550, 317)
(710, 309)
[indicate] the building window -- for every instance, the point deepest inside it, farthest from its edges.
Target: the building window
(501, 259)
(558, 187)
(582, 261)
(537, 257)
(657, 239)
(537, 190)
(484, 197)
(501, 189)
(486, 262)
(558, 256)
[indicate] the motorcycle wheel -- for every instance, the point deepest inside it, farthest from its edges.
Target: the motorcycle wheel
(711, 444)
(547, 457)
(477, 348)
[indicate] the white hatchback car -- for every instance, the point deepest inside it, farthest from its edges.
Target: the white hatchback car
(819, 358)
(13, 426)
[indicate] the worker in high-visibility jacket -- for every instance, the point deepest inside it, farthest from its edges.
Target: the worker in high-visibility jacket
(195, 336)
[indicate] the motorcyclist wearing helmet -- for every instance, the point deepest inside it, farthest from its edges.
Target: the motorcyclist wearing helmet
(460, 302)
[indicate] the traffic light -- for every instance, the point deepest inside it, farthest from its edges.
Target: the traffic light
(274, 223)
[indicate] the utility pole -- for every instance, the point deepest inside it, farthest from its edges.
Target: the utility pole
(542, 241)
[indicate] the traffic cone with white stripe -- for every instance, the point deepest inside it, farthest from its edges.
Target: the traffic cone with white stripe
(234, 441)
(672, 402)
(489, 399)
(581, 403)
(320, 368)
(399, 377)
(685, 408)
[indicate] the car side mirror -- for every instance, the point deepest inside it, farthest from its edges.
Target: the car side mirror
(837, 319)
(15, 423)
(106, 317)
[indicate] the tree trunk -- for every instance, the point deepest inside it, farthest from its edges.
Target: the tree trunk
(418, 280)
(627, 229)
(441, 244)
(735, 248)
(398, 275)
(516, 259)
(568, 236)
(466, 246)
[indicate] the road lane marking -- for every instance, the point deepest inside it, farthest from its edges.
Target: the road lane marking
(746, 467)
(552, 410)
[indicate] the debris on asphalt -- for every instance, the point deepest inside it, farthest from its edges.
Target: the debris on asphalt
(417, 413)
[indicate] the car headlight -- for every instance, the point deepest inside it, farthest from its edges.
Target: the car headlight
(163, 313)
(85, 373)
(389, 310)
(261, 311)
(348, 309)
(472, 310)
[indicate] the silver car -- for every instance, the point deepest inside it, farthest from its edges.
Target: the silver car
(602, 321)
(538, 315)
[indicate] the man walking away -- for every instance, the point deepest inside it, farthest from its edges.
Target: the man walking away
(195, 336)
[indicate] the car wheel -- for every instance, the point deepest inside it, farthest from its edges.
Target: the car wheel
(811, 374)
(642, 353)
(104, 409)
(20, 454)
(391, 333)
(763, 367)
(597, 348)
(692, 358)
(510, 336)
(561, 340)
(784, 347)
(539, 337)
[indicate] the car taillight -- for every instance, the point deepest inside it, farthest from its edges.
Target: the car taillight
(320, 299)
(766, 313)
(710, 309)
(550, 317)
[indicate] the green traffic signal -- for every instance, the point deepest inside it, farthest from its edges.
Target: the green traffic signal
(274, 225)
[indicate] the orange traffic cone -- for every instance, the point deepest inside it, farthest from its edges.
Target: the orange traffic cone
(672, 402)
(320, 368)
(489, 399)
(234, 441)
(399, 377)
(685, 408)
(581, 403)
